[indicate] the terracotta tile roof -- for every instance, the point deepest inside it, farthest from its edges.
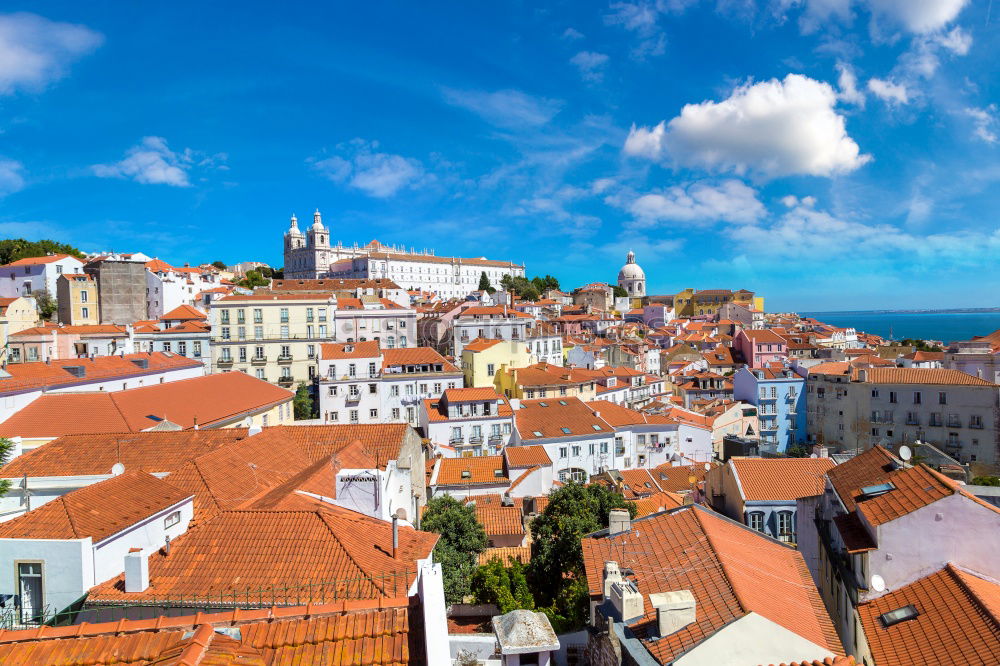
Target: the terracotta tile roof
(159, 266)
(332, 284)
(526, 456)
(97, 511)
(480, 344)
(236, 551)
(34, 376)
(385, 633)
(415, 356)
(638, 482)
(267, 295)
(940, 376)
(723, 564)
(657, 502)
(676, 479)
(923, 356)
(497, 519)
(184, 311)
(34, 261)
(830, 368)
(957, 621)
(853, 533)
(336, 351)
(490, 312)
(466, 394)
(762, 335)
(780, 479)
(478, 470)
(553, 417)
(205, 401)
(506, 554)
(436, 412)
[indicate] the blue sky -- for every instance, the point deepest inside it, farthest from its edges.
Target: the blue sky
(829, 154)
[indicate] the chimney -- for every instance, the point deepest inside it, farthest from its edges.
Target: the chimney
(395, 535)
(674, 611)
(136, 571)
(612, 574)
(619, 521)
(628, 603)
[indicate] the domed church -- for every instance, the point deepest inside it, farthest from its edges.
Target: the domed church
(632, 278)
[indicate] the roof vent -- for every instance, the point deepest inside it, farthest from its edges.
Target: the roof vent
(348, 349)
(629, 604)
(674, 611)
(507, 500)
(75, 370)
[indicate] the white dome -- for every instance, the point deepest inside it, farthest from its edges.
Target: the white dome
(632, 278)
(631, 272)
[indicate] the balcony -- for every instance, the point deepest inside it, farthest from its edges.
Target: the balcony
(456, 441)
(976, 426)
(226, 361)
(476, 441)
(954, 423)
(912, 421)
(284, 358)
(352, 398)
(286, 382)
(771, 398)
(258, 360)
(768, 427)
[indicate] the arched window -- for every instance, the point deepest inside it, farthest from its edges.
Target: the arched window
(786, 526)
(402, 341)
(390, 342)
(573, 474)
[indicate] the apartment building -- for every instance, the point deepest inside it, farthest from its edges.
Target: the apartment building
(78, 299)
(979, 356)
(16, 314)
(542, 380)
(467, 422)
(483, 357)
(168, 287)
(760, 348)
(857, 408)
(495, 322)
(780, 398)
(362, 382)
(276, 335)
(26, 276)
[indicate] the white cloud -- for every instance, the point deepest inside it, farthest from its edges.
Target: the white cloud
(888, 91)
(985, 121)
(505, 108)
(151, 162)
(803, 232)
(11, 176)
(848, 84)
(572, 34)
(590, 64)
(642, 18)
(816, 13)
(772, 128)
(918, 16)
(35, 51)
(957, 41)
(374, 173)
(791, 201)
(698, 202)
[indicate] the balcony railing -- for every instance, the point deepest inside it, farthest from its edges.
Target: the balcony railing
(284, 358)
(258, 360)
(476, 440)
(954, 423)
(456, 441)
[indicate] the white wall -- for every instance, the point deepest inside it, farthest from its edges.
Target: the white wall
(67, 568)
(148, 534)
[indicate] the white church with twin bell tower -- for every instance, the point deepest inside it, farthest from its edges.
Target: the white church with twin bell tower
(311, 256)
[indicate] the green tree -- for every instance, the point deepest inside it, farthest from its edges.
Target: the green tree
(266, 271)
(619, 292)
(6, 449)
(920, 345)
(303, 403)
(484, 284)
(278, 274)
(12, 249)
(986, 481)
(221, 265)
(796, 451)
(462, 539)
(46, 305)
(253, 279)
(556, 570)
(507, 587)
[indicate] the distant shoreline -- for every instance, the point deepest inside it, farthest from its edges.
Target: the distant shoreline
(885, 312)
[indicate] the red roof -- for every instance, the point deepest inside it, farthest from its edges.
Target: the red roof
(205, 401)
(723, 564)
(184, 312)
(466, 394)
(34, 261)
(34, 376)
(526, 456)
(97, 511)
(478, 470)
(780, 479)
(345, 632)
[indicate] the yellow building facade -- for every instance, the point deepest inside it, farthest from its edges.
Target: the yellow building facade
(78, 299)
(482, 359)
(16, 314)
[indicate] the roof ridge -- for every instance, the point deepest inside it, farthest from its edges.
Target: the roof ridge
(69, 517)
(722, 565)
(114, 402)
(325, 519)
(955, 573)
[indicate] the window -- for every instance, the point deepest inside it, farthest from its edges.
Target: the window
(785, 530)
(942, 398)
(224, 317)
(29, 576)
(225, 332)
(284, 315)
(352, 391)
(309, 314)
(395, 413)
(373, 388)
(171, 519)
(916, 397)
(259, 372)
(258, 332)
(352, 370)
(311, 351)
(322, 314)
(892, 396)
(755, 520)
(394, 390)
(258, 316)
(286, 351)
(284, 331)
(562, 451)
(258, 353)
(334, 416)
(226, 358)
(354, 416)
(373, 413)
(197, 349)
(975, 421)
(491, 369)
(322, 330)
(576, 451)
(84, 296)
(182, 348)
(874, 392)
(286, 373)
(241, 332)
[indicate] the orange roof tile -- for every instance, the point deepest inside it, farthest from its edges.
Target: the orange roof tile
(336, 351)
(184, 311)
(97, 511)
(941, 376)
(722, 563)
(34, 261)
(526, 456)
(657, 502)
(780, 478)
(34, 376)
(204, 401)
(506, 555)
(957, 621)
(402, 356)
(496, 518)
(465, 394)
(557, 417)
(478, 470)
(346, 632)
(480, 344)
(676, 479)
(280, 551)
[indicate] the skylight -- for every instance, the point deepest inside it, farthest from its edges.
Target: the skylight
(903, 614)
(879, 489)
(596, 427)
(565, 430)
(562, 402)
(537, 434)
(543, 404)
(466, 474)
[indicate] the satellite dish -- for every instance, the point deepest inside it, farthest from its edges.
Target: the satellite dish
(877, 583)
(814, 455)
(117, 469)
(708, 467)
(905, 453)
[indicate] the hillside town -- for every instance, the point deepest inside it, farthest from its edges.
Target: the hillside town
(378, 455)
